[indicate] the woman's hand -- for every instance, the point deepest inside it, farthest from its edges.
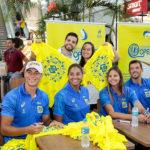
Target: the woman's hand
(57, 124)
(105, 44)
(83, 70)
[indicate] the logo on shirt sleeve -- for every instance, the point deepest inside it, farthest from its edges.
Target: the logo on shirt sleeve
(40, 109)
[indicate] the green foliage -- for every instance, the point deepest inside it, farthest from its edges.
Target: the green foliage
(18, 7)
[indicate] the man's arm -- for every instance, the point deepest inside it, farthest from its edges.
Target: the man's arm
(117, 56)
(6, 69)
(8, 130)
(33, 56)
(48, 122)
(58, 118)
(25, 60)
(46, 119)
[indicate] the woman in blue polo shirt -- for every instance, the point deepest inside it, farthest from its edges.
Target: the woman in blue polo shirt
(115, 98)
(72, 102)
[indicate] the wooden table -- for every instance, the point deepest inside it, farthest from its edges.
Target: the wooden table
(61, 142)
(140, 134)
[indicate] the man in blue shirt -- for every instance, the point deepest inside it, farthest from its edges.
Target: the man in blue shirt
(26, 107)
(140, 85)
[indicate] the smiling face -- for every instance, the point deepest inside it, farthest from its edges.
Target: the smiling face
(70, 43)
(87, 51)
(135, 71)
(113, 78)
(32, 77)
(75, 76)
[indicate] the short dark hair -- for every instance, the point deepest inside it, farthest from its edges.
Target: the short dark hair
(11, 39)
(72, 34)
(17, 33)
(75, 65)
(134, 62)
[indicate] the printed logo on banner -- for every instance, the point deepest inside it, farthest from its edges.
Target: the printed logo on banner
(83, 35)
(77, 54)
(146, 34)
(99, 34)
(99, 67)
(53, 68)
(135, 50)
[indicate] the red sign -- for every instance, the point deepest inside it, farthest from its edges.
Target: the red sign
(135, 7)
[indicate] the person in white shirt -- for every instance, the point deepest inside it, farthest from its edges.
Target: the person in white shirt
(70, 44)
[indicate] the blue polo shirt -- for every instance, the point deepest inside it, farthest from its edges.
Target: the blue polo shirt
(25, 110)
(142, 91)
(121, 104)
(72, 105)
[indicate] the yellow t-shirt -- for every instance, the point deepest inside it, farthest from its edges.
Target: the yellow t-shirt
(22, 24)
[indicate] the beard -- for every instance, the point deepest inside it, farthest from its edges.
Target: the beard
(137, 76)
(70, 48)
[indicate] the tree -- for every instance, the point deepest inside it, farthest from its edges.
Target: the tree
(19, 7)
(114, 10)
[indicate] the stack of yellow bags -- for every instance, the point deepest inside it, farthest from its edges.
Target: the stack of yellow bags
(102, 133)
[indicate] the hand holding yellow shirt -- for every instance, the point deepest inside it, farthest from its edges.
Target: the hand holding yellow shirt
(55, 69)
(97, 67)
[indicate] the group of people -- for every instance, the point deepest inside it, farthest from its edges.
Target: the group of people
(25, 110)
(19, 26)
